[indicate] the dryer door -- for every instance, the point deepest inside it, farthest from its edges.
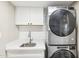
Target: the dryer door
(63, 54)
(62, 22)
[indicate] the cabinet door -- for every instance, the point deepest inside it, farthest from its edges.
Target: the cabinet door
(22, 16)
(36, 16)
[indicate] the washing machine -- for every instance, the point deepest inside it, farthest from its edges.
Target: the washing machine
(62, 51)
(61, 26)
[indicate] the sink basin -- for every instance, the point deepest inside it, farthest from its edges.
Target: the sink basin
(28, 45)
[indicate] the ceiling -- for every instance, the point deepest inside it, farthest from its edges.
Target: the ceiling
(41, 3)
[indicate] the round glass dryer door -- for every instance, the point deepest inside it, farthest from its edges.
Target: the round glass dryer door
(62, 22)
(63, 54)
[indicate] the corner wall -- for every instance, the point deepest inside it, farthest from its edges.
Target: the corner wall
(76, 6)
(8, 31)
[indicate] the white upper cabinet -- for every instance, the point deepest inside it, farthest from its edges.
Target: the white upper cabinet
(26, 15)
(22, 16)
(36, 15)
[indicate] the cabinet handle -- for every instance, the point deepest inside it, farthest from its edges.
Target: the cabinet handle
(28, 23)
(31, 23)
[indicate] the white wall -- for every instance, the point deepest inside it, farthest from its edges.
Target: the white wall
(7, 27)
(76, 6)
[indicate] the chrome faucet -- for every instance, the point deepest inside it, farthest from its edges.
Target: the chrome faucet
(29, 35)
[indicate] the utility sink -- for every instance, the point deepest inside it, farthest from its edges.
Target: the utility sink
(23, 49)
(28, 45)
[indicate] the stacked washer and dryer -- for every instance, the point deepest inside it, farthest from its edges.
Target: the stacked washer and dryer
(62, 42)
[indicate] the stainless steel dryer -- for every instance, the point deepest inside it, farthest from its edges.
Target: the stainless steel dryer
(62, 51)
(61, 25)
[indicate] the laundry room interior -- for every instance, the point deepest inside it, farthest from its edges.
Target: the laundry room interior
(39, 29)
